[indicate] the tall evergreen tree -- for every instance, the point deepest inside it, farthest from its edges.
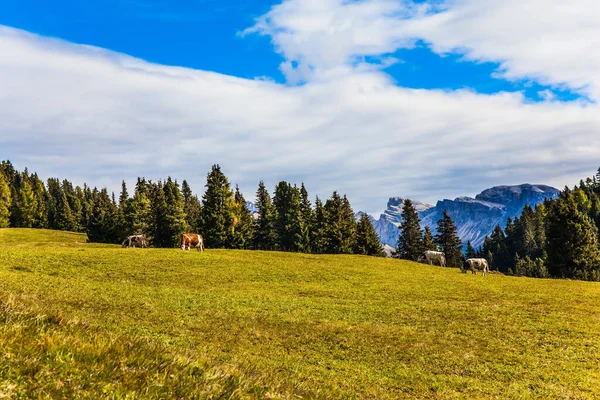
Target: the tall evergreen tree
(175, 224)
(243, 223)
(367, 241)
(340, 225)
(124, 214)
(217, 209)
(265, 234)
(448, 241)
(307, 221)
(102, 224)
(288, 221)
(319, 240)
(410, 241)
(140, 213)
(5, 202)
(28, 206)
(572, 241)
(159, 234)
(471, 253)
(41, 196)
(428, 240)
(191, 207)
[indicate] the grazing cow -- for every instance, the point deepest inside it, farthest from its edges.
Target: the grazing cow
(432, 257)
(192, 240)
(476, 264)
(135, 241)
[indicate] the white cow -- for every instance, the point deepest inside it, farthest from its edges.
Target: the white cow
(476, 264)
(433, 257)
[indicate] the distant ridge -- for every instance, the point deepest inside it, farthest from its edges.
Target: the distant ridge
(474, 217)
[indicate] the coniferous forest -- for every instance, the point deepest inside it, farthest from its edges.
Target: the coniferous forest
(164, 210)
(558, 238)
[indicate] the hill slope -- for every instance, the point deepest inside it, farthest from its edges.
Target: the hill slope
(89, 321)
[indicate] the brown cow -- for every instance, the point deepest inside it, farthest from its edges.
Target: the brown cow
(189, 240)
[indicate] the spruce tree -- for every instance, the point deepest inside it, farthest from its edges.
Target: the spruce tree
(175, 216)
(265, 235)
(5, 202)
(191, 207)
(428, 240)
(243, 223)
(158, 226)
(217, 209)
(42, 198)
(102, 223)
(367, 241)
(572, 241)
(448, 241)
(288, 222)
(410, 241)
(319, 241)
(140, 214)
(340, 225)
(124, 223)
(471, 253)
(28, 206)
(307, 217)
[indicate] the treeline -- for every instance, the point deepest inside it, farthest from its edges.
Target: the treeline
(164, 210)
(558, 238)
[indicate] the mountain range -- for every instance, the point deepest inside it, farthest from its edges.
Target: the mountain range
(475, 218)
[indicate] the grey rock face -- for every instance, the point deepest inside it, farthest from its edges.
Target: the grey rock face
(475, 218)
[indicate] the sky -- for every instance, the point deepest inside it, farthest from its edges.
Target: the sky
(373, 98)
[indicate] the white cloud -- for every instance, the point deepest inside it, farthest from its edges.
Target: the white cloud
(96, 116)
(554, 42)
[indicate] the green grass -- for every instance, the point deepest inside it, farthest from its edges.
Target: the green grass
(92, 321)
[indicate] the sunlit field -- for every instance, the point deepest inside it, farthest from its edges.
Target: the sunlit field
(92, 321)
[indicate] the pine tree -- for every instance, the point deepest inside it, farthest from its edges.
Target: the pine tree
(471, 253)
(28, 206)
(572, 241)
(191, 207)
(448, 241)
(124, 223)
(319, 241)
(5, 202)
(65, 221)
(140, 214)
(158, 224)
(367, 241)
(243, 223)
(102, 224)
(217, 209)
(288, 221)
(306, 221)
(265, 235)
(410, 241)
(175, 224)
(340, 225)
(42, 198)
(428, 240)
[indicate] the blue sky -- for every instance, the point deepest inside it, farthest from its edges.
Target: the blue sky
(374, 98)
(205, 34)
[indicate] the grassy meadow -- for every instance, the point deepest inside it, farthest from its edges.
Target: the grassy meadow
(95, 321)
